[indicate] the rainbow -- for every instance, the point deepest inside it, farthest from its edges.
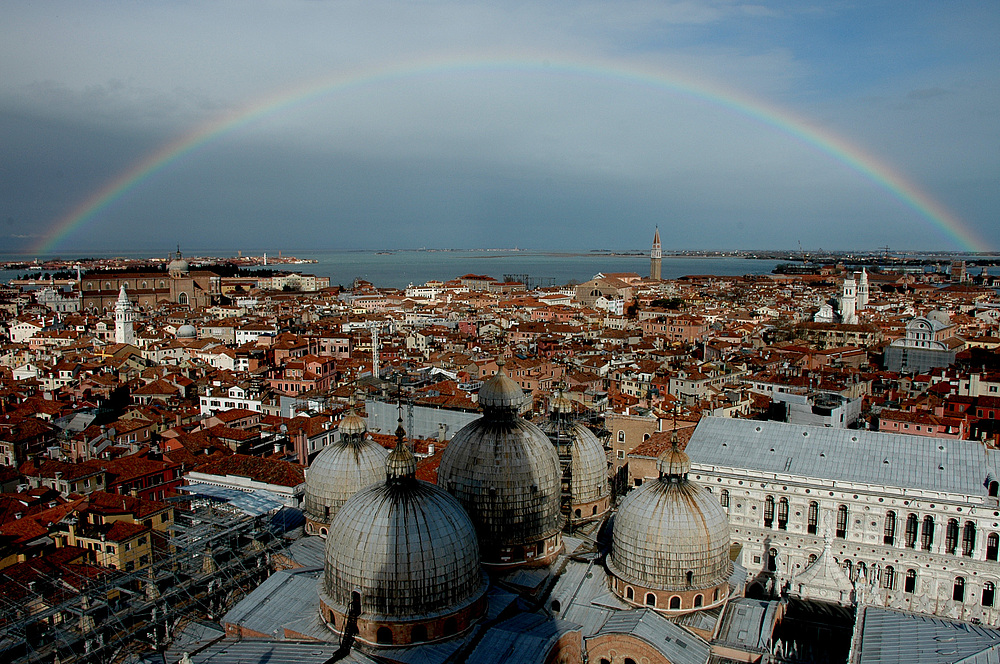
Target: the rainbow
(779, 119)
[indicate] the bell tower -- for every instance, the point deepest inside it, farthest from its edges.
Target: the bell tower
(655, 257)
(124, 319)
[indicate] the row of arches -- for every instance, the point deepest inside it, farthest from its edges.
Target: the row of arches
(915, 529)
(887, 578)
(675, 603)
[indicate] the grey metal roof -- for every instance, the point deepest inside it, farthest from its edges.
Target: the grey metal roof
(866, 457)
(308, 551)
(525, 638)
(675, 643)
(894, 637)
(748, 624)
(583, 596)
(249, 651)
(253, 503)
(284, 596)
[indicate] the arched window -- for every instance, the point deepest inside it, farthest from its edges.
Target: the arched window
(958, 590)
(322, 531)
(842, 521)
(927, 533)
(698, 600)
(144, 285)
(910, 582)
(951, 536)
(783, 514)
(989, 593)
(594, 510)
(578, 513)
(629, 593)
(992, 546)
(629, 660)
(968, 538)
(555, 605)
(675, 602)
(911, 530)
(384, 635)
(690, 576)
(161, 283)
(715, 595)
(889, 578)
(621, 436)
(813, 518)
(768, 511)
(650, 599)
(994, 489)
(418, 634)
(890, 528)
(645, 436)
(724, 497)
(182, 298)
(811, 559)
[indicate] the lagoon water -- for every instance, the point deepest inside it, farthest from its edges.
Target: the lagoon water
(398, 269)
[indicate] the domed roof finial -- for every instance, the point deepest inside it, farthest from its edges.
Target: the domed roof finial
(400, 463)
(674, 463)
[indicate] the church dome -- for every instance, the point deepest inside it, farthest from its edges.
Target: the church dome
(403, 552)
(670, 543)
(582, 454)
(506, 474)
(339, 471)
(187, 331)
(590, 466)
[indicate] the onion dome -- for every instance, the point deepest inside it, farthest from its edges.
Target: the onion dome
(402, 560)
(187, 331)
(506, 474)
(670, 544)
(339, 471)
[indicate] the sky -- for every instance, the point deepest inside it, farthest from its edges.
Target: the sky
(313, 124)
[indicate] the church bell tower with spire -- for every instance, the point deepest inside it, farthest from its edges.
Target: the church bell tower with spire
(655, 257)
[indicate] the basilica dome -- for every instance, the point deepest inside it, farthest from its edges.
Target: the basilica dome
(506, 474)
(583, 458)
(339, 471)
(403, 560)
(670, 544)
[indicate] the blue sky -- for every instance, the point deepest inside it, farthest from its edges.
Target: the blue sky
(515, 155)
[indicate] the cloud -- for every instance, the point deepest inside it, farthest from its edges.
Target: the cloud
(467, 154)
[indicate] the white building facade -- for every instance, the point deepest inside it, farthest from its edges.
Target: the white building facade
(913, 522)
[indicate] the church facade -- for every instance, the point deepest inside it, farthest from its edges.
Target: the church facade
(179, 285)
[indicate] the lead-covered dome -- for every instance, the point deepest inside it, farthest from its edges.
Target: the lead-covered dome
(403, 555)
(506, 474)
(583, 460)
(670, 544)
(339, 471)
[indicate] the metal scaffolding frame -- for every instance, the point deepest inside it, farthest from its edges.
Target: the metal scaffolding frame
(212, 557)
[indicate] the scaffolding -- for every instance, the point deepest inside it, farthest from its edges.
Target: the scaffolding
(212, 556)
